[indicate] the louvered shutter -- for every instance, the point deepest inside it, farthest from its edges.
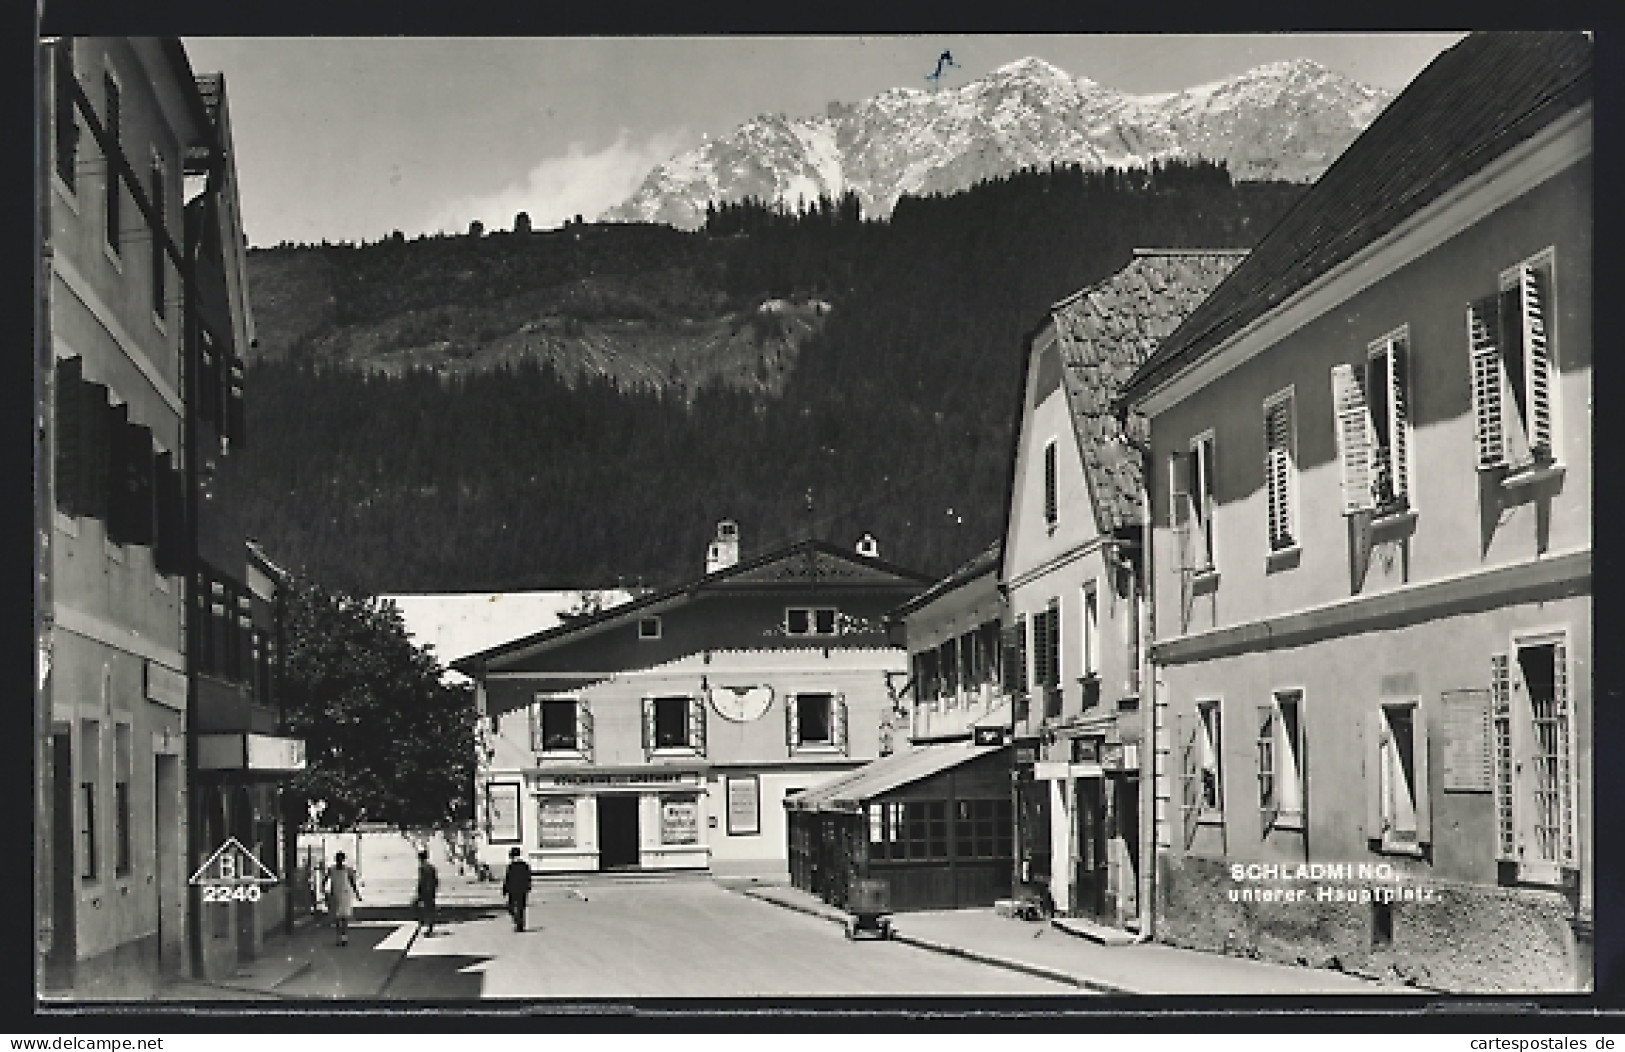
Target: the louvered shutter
(1514, 374)
(69, 432)
(648, 727)
(1399, 432)
(1483, 347)
(1179, 506)
(1051, 501)
(696, 725)
(1190, 783)
(1422, 791)
(169, 548)
(584, 726)
(837, 717)
(534, 715)
(1021, 656)
(1278, 472)
(1268, 803)
(1375, 781)
(1565, 766)
(1533, 287)
(792, 727)
(96, 421)
(1353, 433)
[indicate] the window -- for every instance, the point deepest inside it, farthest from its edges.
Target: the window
(1534, 783)
(1280, 770)
(1052, 508)
(556, 821)
(948, 664)
(1209, 758)
(1091, 631)
(816, 720)
(649, 628)
(121, 799)
(1280, 470)
(915, 829)
(1191, 504)
(1509, 342)
(809, 621)
(676, 722)
(982, 829)
(1047, 656)
(679, 818)
(561, 725)
(1374, 428)
(160, 261)
(1397, 794)
(90, 762)
(67, 121)
(114, 188)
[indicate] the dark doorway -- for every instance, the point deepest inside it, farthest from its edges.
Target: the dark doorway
(617, 831)
(167, 861)
(1090, 880)
(59, 963)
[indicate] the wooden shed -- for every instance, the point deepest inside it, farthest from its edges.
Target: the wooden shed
(932, 820)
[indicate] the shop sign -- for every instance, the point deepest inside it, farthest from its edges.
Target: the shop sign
(166, 686)
(502, 814)
(624, 779)
(557, 822)
(266, 753)
(679, 820)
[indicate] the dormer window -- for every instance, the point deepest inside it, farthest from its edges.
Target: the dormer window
(649, 628)
(809, 621)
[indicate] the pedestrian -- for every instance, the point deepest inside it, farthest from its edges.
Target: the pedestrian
(428, 884)
(516, 887)
(343, 892)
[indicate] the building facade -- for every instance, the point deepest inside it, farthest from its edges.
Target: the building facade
(1370, 482)
(666, 732)
(136, 343)
(1072, 571)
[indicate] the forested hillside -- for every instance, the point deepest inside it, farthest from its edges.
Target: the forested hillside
(896, 417)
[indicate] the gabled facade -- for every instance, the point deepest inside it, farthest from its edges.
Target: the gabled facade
(1070, 569)
(665, 733)
(1370, 482)
(137, 394)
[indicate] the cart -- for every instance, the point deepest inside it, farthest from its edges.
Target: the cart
(870, 906)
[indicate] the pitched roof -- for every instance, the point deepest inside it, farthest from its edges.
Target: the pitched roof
(1471, 104)
(744, 573)
(1104, 333)
(851, 790)
(983, 562)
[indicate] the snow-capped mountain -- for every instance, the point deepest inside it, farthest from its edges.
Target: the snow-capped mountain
(1285, 120)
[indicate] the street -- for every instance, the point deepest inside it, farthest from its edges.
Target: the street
(670, 939)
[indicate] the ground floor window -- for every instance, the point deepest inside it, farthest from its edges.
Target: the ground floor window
(1280, 770)
(679, 818)
(983, 829)
(1400, 787)
(1535, 767)
(914, 829)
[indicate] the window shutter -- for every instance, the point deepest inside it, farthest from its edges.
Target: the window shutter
(70, 460)
(1353, 438)
(1485, 353)
(696, 725)
(792, 727)
(1533, 287)
(1376, 734)
(837, 718)
(1190, 784)
(1009, 659)
(1268, 804)
(534, 712)
(1423, 789)
(96, 419)
(131, 517)
(169, 548)
(1565, 768)
(1277, 468)
(1021, 655)
(584, 743)
(1055, 644)
(1399, 432)
(1514, 359)
(648, 727)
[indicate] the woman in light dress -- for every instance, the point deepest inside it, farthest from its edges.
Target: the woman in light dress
(343, 892)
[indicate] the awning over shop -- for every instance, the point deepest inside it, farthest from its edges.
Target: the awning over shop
(851, 791)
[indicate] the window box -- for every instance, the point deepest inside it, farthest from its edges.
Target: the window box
(1285, 558)
(1204, 580)
(1533, 475)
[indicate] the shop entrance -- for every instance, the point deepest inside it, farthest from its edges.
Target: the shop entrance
(1090, 879)
(617, 831)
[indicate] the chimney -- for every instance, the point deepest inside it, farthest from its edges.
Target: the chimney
(868, 547)
(724, 551)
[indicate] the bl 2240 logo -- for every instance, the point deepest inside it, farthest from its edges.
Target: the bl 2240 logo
(233, 874)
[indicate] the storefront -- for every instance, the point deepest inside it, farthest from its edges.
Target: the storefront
(605, 820)
(1090, 782)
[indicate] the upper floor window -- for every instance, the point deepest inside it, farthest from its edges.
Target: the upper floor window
(67, 121)
(1191, 503)
(809, 621)
(649, 628)
(1280, 470)
(1374, 427)
(560, 725)
(816, 720)
(160, 261)
(1090, 649)
(1052, 507)
(115, 192)
(1509, 341)
(673, 723)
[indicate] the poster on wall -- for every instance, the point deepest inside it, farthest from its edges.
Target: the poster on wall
(558, 822)
(502, 799)
(679, 820)
(744, 807)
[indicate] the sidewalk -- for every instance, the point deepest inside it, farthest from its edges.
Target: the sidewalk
(1049, 951)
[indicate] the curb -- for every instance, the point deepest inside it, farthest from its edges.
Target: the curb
(396, 966)
(1037, 970)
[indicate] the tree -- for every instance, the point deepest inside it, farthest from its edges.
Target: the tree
(383, 733)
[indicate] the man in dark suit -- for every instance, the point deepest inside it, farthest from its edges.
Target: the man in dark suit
(516, 887)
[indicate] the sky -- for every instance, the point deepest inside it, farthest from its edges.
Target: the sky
(351, 139)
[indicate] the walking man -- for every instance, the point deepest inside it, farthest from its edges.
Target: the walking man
(516, 887)
(428, 884)
(343, 892)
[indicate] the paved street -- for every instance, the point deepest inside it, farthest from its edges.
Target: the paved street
(677, 939)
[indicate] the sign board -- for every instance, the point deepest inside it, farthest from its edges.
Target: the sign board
(625, 779)
(744, 806)
(166, 686)
(1469, 743)
(502, 814)
(231, 864)
(557, 821)
(266, 753)
(679, 820)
